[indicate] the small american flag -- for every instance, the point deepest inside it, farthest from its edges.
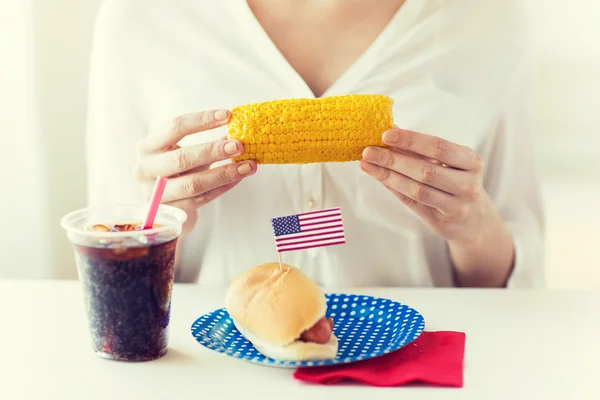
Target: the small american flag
(308, 230)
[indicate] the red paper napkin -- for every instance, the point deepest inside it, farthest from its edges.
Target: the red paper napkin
(434, 358)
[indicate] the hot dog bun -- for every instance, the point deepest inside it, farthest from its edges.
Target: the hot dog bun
(272, 308)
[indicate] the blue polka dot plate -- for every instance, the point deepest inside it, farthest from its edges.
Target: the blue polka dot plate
(366, 327)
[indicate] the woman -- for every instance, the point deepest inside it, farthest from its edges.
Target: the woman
(456, 203)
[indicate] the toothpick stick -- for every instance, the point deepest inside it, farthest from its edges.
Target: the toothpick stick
(280, 262)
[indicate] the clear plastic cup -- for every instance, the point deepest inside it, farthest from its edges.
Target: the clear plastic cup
(126, 277)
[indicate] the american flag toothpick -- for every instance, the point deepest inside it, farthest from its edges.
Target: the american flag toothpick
(308, 230)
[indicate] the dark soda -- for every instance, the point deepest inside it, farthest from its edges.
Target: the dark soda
(127, 285)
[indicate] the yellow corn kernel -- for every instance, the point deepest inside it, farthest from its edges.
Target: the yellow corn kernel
(302, 131)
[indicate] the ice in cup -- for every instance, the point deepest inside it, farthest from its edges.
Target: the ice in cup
(127, 277)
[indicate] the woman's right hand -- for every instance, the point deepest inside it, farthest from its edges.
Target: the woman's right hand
(191, 182)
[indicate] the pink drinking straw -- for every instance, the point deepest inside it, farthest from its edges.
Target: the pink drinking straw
(159, 189)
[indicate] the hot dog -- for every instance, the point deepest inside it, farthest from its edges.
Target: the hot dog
(319, 332)
(282, 313)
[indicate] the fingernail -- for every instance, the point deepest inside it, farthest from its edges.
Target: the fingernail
(244, 169)
(231, 147)
(390, 136)
(220, 115)
(371, 153)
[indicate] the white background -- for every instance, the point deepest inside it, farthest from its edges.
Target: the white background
(44, 50)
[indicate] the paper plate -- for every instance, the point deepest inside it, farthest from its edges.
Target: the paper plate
(366, 327)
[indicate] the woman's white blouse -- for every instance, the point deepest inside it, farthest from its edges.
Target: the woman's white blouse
(455, 69)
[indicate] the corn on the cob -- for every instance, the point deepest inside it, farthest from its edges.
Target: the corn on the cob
(301, 131)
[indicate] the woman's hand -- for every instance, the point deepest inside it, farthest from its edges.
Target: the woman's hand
(192, 183)
(442, 183)
(439, 180)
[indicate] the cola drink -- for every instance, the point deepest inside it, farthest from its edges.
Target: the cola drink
(126, 274)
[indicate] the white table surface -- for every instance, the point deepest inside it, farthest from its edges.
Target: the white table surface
(522, 344)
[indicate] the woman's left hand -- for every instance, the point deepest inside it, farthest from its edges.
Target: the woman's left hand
(438, 180)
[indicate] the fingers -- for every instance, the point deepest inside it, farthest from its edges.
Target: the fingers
(412, 191)
(181, 126)
(446, 152)
(188, 158)
(421, 210)
(449, 180)
(193, 203)
(196, 184)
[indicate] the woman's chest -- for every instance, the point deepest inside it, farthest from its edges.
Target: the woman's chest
(205, 65)
(322, 41)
